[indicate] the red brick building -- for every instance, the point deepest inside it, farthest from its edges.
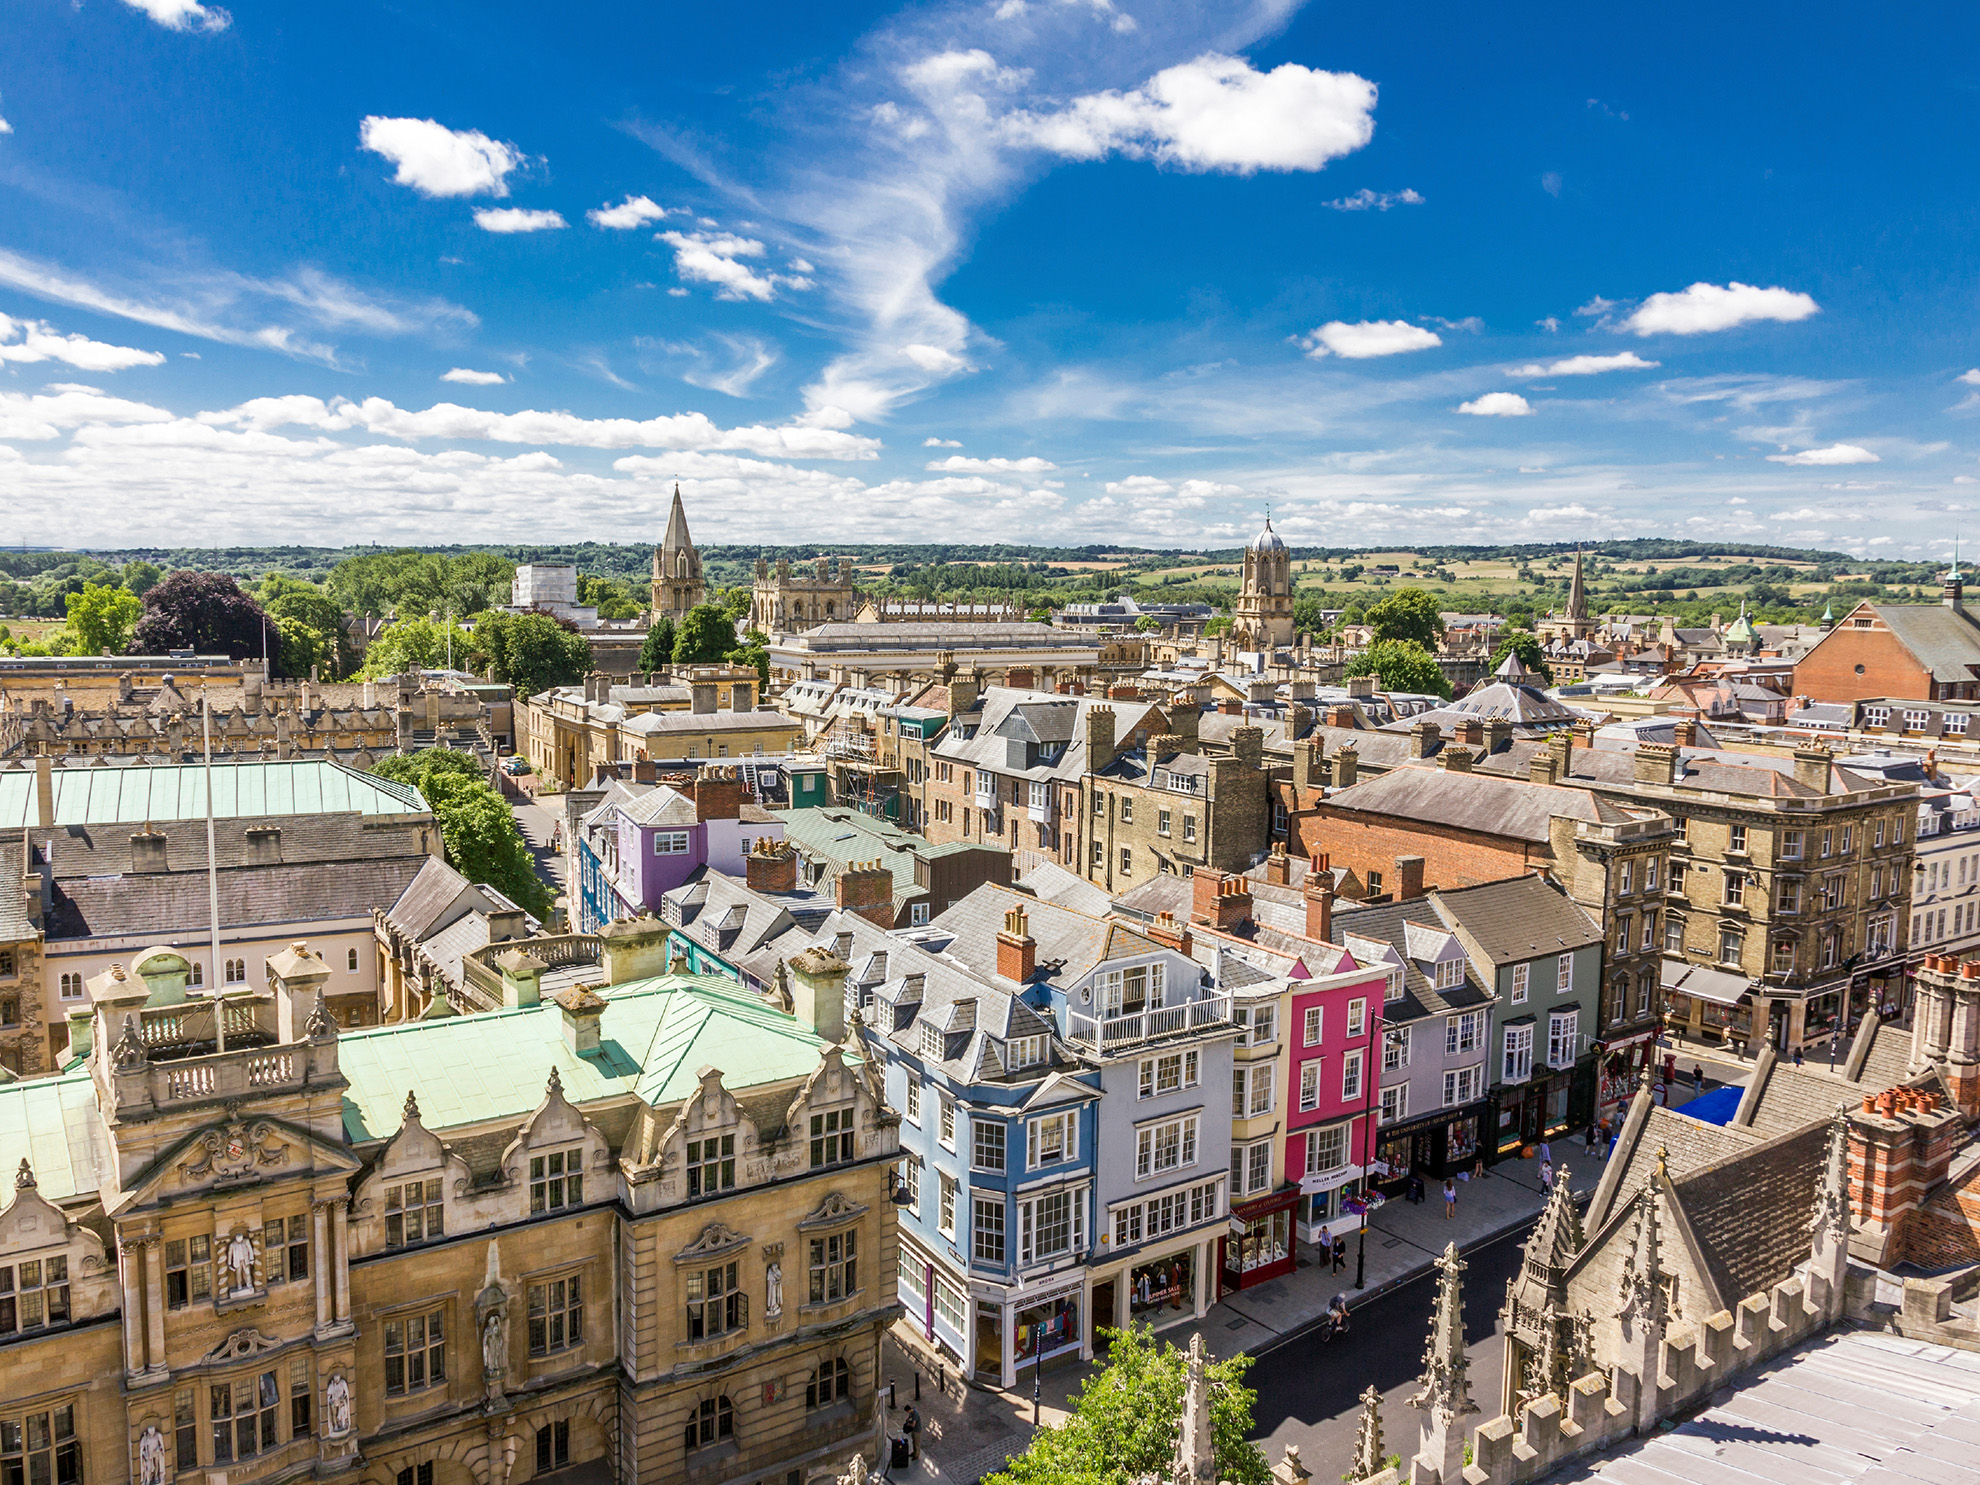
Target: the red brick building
(1926, 652)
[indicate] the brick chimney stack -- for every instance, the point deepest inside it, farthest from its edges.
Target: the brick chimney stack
(1166, 931)
(866, 889)
(1278, 866)
(1017, 950)
(1945, 1027)
(1901, 1144)
(770, 866)
(1409, 877)
(1220, 899)
(1320, 901)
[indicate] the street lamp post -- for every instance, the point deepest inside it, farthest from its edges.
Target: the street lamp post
(1371, 1076)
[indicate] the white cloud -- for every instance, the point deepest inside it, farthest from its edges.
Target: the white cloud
(1804, 514)
(46, 415)
(1971, 378)
(1587, 365)
(183, 15)
(935, 360)
(1707, 307)
(1139, 484)
(634, 211)
(932, 442)
(5, 127)
(958, 464)
(29, 341)
(437, 161)
(517, 219)
(473, 378)
(1367, 200)
(1214, 113)
(711, 258)
(1366, 338)
(1835, 453)
(447, 420)
(1497, 405)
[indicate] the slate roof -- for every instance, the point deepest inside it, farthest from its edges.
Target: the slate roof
(1505, 807)
(978, 741)
(1054, 883)
(653, 1037)
(433, 896)
(177, 791)
(1943, 640)
(751, 930)
(962, 636)
(1389, 924)
(1691, 1144)
(1517, 919)
(841, 837)
(1070, 943)
(1749, 1209)
(649, 724)
(165, 904)
(1757, 774)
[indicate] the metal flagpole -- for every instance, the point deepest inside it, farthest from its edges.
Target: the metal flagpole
(213, 878)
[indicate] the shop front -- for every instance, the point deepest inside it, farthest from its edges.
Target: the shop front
(1046, 1328)
(1162, 1291)
(1707, 1005)
(1542, 1108)
(1260, 1243)
(1163, 1285)
(1323, 1202)
(1432, 1147)
(1619, 1066)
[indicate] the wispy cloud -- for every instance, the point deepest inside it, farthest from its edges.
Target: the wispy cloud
(183, 15)
(1835, 453)
(24, 342)
(1367, 200)
(1586, 365)
(958, 464)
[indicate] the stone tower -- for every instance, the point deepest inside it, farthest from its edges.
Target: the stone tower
(677, 585)
(1262, 618)
(1545, 1343)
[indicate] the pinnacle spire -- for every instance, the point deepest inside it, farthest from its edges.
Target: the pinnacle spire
(1370, 1458)
(1642, 1289)
(1830, 1219)
(1445, 1386)
(1557, 1236)
(677, 538)
(1195, 1462)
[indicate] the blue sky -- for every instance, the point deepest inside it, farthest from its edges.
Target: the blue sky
(1050, 270)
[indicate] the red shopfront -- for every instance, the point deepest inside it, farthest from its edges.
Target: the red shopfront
(1260, 1243)
(1618, 1068)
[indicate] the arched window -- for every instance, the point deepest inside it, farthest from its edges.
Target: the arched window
(831, 1383)
(72, 985)
(236, 971)
(350, 960)
(681, 565)
(198, 974)
(710, 1423)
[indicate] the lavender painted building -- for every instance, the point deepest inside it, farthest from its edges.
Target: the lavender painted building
(642, 840)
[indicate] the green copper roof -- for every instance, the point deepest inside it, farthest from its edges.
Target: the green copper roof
(177, 791)
(653, 1036)
(51, 1123)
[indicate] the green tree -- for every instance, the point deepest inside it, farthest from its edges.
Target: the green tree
(658, 651)
(1219, 625)
(735, 603)
(312, 627)
(1354, 613)
(102, 619)
(1125, 1418)
(609, 596)
(1401, 665)
(533, 652)
(416, 644)
(1147, 624)
(705, 635)
(1407, 614)
(141, 576)
(1527, 647)
(753, 651)
(476, 824)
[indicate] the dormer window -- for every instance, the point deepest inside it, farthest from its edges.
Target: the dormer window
(1027, 1051)
(1450, 973)
(931, 1042)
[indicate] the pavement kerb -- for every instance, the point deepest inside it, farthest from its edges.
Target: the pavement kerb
(1362, 1297)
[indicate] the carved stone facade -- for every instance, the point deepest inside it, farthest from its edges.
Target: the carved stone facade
(250, 1259)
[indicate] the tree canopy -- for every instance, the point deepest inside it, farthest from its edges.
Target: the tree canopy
(532, 652)
(1407, 614)
(416, 644)
(658, 651)
(101, 619)
(705, 636)
(312, 627)
(476, 824)
(1124, 1422)
(408, 583)
(1401, 665)
(205, 612)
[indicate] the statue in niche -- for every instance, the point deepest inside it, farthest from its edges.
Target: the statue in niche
(773, 1290)
(240, 1261)
(337, 1405)
(151, 1456)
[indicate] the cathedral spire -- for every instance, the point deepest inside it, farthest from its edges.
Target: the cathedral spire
(1577, 602)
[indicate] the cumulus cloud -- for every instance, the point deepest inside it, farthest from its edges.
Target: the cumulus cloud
(447, 420)
(1587, 365)
(473, 378)
(932, 442)
(1366, 338)
(1971, 378)
(1367, 200)
(712, 258)
(958, 464)
(183, 15)
(437, 161)
(517, 219)
(5, 127)
(1835, 453)
(1214, 113)
(1706, 307)
(48, 414)
(25, 342)
(1497, 405)
(634, 211)
(1139, 484)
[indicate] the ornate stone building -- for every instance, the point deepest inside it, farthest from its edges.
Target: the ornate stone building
(649, 1232)
(784, 602)
(677, 585)
(1262, 617)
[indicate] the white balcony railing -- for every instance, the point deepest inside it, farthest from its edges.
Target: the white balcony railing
(1107, 1032)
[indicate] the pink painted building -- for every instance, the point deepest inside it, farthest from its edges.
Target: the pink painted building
(1332, 1026)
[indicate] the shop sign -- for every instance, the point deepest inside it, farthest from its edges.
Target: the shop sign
(1163, 1282)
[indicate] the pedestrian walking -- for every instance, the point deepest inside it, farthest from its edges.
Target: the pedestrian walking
(1697, 1079)
(1797, 1056)
(1547, 1177)
(1450, 1198)
(1340, 1254)
(911, 1426)
(1546, 1153)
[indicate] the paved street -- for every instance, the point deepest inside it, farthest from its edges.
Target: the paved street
(537, 822)
(1309, 1390)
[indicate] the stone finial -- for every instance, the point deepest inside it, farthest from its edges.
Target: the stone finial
(129, 1054)
(319, 1026)
(780, 989)
(1195, 1461)
(1370, 1457)
(554, 1085)
(1446, 1385)
(410, 1113)
(24, 1177)
(1641, 1288)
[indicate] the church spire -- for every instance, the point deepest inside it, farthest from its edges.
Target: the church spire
(677, 585)
(1577, 602)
